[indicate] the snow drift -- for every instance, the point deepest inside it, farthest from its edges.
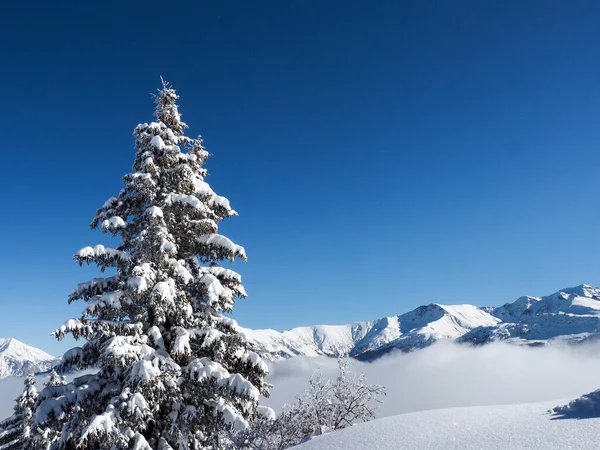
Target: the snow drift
(451, 375)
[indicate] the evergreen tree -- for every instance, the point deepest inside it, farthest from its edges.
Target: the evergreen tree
(46, 431)
(15, 431)
(174, 372)
(54, 379)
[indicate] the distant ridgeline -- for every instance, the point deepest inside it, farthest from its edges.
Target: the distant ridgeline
(570, 315)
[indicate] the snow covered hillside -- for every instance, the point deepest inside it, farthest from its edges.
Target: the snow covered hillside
(525, 426)
(18, 359)
(571, 315)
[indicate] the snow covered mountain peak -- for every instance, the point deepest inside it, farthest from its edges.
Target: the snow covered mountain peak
(583, 290)
(571, 315)
(19, 359)
(579, 300)
(415, 329)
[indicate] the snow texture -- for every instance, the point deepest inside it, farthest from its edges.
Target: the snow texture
(526, 427)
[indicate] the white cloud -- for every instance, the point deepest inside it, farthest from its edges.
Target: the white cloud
(10, 389)
(447, 375)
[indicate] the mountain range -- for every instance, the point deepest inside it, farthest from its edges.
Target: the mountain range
(571, 315)
(18, 359)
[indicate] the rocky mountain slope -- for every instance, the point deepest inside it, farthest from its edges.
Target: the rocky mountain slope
(570, 315)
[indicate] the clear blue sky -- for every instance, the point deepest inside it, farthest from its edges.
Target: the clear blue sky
(381, 154)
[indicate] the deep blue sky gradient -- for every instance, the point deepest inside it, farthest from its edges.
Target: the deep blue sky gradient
(381, 154)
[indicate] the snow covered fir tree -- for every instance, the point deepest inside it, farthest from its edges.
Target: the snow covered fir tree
(174, 372)
(42, 436)
(15, 431)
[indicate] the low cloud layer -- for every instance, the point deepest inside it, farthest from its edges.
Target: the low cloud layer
(443, 375)
(10, 389)
(446, 375)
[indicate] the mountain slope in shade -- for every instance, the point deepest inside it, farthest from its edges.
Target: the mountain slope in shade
(571, 315)
(18, 359)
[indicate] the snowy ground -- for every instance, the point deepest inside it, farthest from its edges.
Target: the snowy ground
(526, 426)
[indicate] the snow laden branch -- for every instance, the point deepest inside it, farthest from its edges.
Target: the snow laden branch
(102, 256)
(171, 370)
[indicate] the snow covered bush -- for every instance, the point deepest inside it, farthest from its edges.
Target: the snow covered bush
(325, 406)
(15, 431)
(174, 372)
(351, 399)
